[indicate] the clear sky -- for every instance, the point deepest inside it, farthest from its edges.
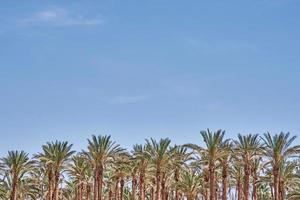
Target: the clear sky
(136, 69)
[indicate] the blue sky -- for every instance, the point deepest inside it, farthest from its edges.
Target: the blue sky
(138, 69)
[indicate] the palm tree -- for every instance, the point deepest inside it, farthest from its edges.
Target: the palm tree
(179, 158)
(159, 152)
(142, 158)
(278, 149)
(237, 174)
(213, 151)
(101, 151)
(16, 165)
(226, 147)
(133, 168)
(79, 171)
(248, 147)
(256, 167)
(55, 156)
(289, 179)
(190, 184)
(121, 169)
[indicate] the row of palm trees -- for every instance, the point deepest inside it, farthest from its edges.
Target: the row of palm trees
(250, 167)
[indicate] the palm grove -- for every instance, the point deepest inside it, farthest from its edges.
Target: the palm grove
(257, 167)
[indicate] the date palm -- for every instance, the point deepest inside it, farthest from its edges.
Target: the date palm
(249, 148)
(213, 151)
(16, 165)
(55, 157)
(226, 148)
(101, 151)
(142, 159)
(160, 156)
(289, 179)
(237, 174)
(179, 158)
(121, 170)
(190, 184)
(278, 148)
(79, 171)
(256, 169)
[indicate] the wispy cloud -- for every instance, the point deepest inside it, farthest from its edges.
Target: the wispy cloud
(61, 17)
(127, 99)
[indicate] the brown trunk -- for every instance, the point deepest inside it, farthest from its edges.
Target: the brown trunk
(206, 180)
(81, 191)
(176, 178)
(122, 188)
(275, 185)
(254, 185)
(96, 184)
(110, 194)
(55, 189)
(152, 193)
(77, 191)
(141, 186)
(239, 189)
(224, 181)
(163, 187)
(281, 191)
(158, 183)
(88, 191)
(117, 189)
(212, 189)
(14, 192)
(246, 181)
(134, 184)
(50, 183)
(100, 183)
(166, 195)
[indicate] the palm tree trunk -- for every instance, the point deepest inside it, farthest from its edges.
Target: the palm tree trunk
(50, 183)
(212, 189)
(276, 180)
(14, 192)
(163, 187)
(176, 178)
(281, 190)
(96, 184)
(246, 181)
(166, 195)
(206, 180)
(122, 188)
(56, 182)
(117, 189)
(141, 187)
(224, 181)
(77, 192)
(81, 191)
(100, 183)
(88, 191)
(239, 189)
(158, 183)
(134, 184)
(254, 185)
(152, 193)
(110, 194)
